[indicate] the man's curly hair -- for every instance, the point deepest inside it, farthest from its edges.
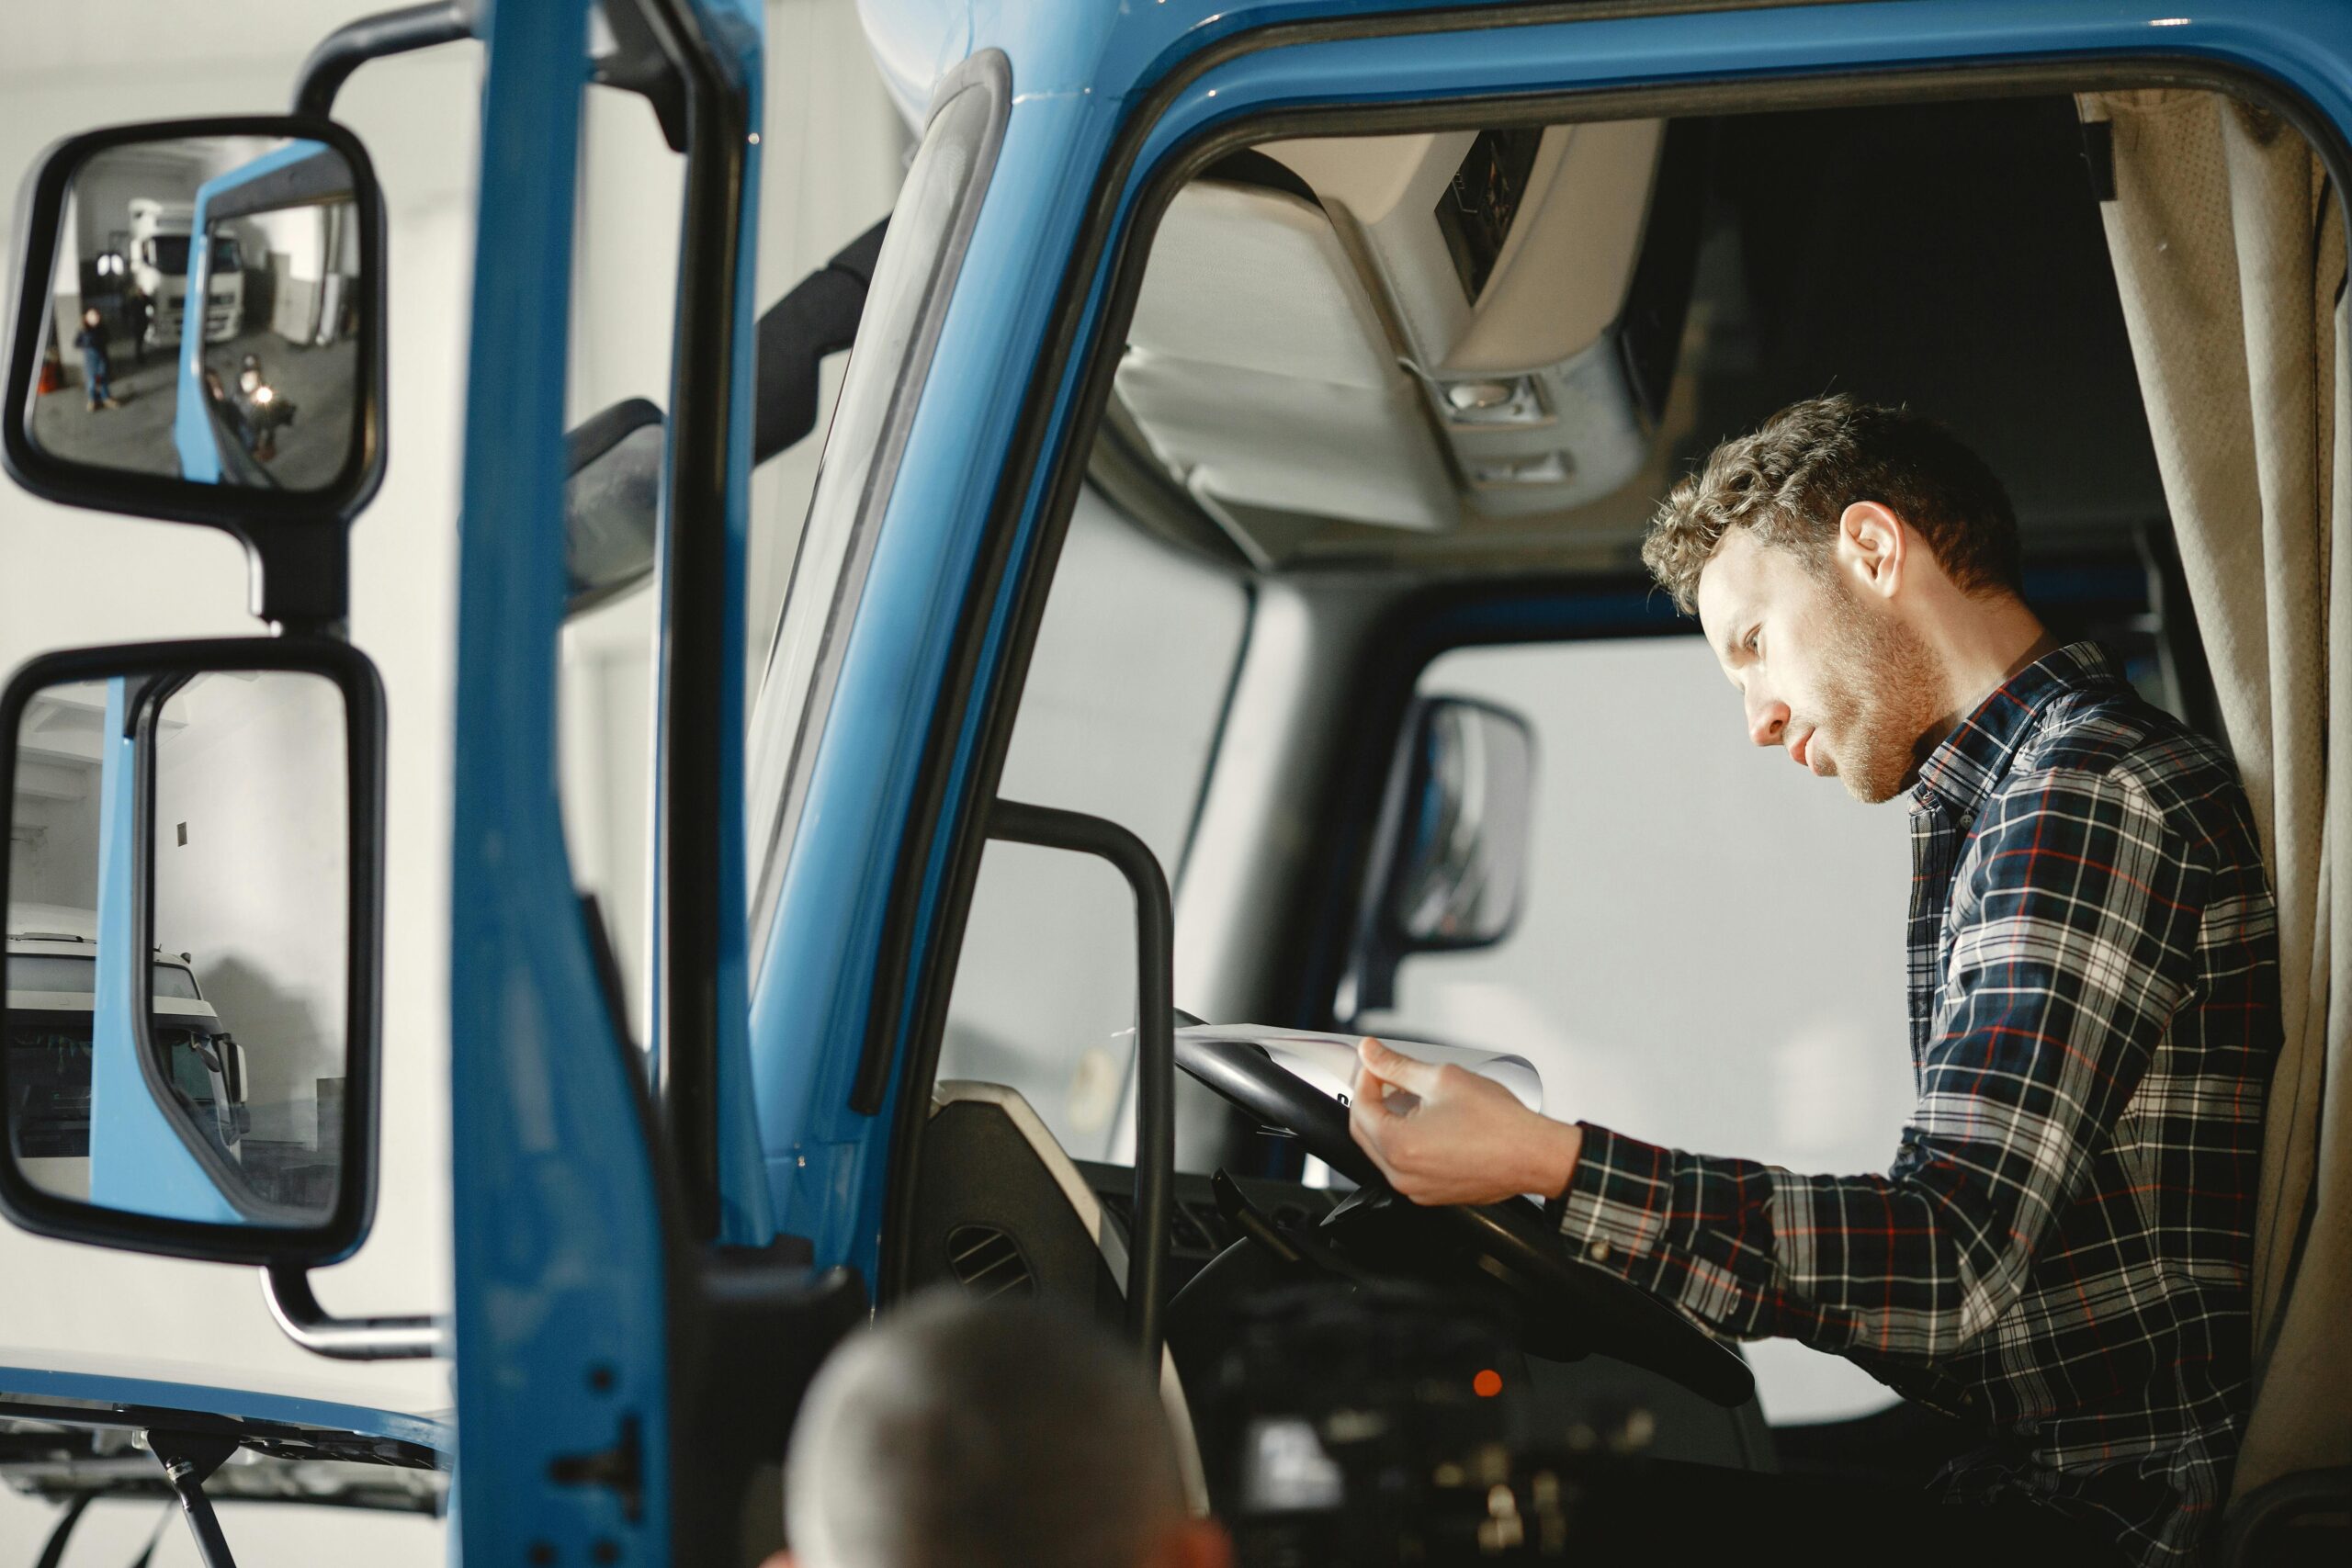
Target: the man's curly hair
(1793, 478)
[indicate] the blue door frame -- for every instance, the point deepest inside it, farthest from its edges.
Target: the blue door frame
(562, 1264)
(560, 1314)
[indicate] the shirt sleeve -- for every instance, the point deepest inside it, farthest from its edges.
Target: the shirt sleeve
(2070, 944)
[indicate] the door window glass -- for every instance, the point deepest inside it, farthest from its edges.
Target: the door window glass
(1709, 947)
(1119, 718)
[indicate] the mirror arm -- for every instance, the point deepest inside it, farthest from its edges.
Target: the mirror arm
(189, 1457)
(308, 1325)
(355, 43)
(302, 582)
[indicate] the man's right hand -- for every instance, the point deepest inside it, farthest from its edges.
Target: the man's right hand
(1442, 1135)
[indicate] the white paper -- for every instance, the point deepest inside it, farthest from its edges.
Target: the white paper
(1328, 1061)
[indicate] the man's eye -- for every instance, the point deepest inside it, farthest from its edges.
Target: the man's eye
(1752, 637)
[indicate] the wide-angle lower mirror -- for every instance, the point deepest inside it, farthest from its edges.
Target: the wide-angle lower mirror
(184, 878)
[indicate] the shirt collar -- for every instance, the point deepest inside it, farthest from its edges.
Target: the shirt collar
(1963, 768)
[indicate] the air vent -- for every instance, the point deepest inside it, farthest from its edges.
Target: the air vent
(987, 1262)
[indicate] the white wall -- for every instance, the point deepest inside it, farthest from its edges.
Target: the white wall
(251, 876)
(53, 831)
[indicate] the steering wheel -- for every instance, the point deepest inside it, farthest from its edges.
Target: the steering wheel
(1619, 1318)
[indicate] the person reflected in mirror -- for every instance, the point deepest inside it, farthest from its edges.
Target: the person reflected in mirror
(98, 368)
(261, 411)
(137, 309)
(2060, 1252)
(958, 1433)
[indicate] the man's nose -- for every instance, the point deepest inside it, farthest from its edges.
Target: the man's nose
(1767, 719)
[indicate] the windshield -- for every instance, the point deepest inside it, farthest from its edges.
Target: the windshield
(168, 252)
(72, 973)
(48, 1075)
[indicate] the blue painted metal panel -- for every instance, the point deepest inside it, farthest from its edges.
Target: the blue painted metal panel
(816, 976)
(137, 1164)
(561, 1320)
(236, 1403)
(192, 430)
(1077, 70)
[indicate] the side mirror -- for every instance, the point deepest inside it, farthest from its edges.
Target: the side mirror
(211, 1094)
(1449, 853)
(612, 502)
(198, 335)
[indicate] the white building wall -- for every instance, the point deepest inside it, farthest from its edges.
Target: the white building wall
(251, 876)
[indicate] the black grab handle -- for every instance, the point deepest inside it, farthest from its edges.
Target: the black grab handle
(1051, 828)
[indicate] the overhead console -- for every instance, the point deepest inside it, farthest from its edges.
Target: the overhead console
(1400, 330)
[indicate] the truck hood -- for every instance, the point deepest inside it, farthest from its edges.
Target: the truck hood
(66, 1434)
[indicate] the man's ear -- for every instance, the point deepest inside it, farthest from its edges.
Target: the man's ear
(1873, 548)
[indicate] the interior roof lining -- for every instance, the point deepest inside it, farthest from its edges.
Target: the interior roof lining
(1940, 84)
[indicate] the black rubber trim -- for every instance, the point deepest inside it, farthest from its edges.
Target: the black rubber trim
(930, 977)
(695, 724)
(1250, 167)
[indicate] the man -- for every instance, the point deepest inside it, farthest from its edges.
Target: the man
(961, 1435)
(2060, 1251)
(97, 367)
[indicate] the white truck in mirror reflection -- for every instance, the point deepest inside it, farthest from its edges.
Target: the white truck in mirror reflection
(51, 986)
(159, 264)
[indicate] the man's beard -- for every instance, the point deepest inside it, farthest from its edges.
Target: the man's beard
(1883, 696)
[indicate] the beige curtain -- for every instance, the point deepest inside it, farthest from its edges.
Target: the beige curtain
(2228, 247)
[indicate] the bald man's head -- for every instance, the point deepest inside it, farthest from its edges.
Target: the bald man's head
(961, 1435)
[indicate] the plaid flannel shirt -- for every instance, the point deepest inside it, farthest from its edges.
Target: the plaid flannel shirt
(2060, 1252)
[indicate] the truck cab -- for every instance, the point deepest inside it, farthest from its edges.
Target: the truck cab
(1210, 627)
(52, 985)
(161, 246)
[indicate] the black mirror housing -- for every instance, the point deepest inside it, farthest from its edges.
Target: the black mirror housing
(269, 1198)
(1449, 846)
(294, 529)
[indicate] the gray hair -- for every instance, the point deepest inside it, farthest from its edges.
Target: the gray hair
(957, 1435)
